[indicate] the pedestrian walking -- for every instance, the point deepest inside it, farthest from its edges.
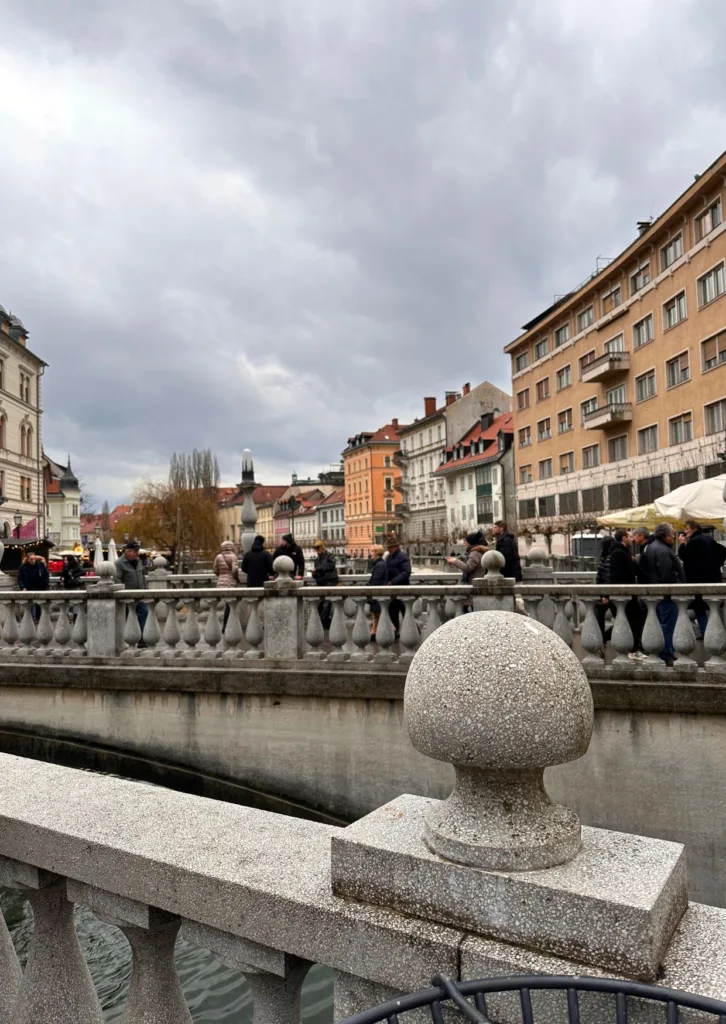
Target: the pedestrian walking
(292, 550)
(226, 569)
(378, 578)
(622, 571)
(33, 575)
(130, 573)
(506, 544)
(702, 559)
(398, 568)
(257, 564)
(663, 567)
(325, 573)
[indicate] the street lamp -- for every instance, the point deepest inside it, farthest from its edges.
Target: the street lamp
(18, 517)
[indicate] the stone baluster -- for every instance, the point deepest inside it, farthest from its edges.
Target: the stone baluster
(62, 632)
(44, 630)
(253, 634)
(385, 633)
(56, 986)
(714, 640)
(684, 638)
(152, 633)
(337, 634)
(591, 637)
(26, 632)
(562, 626)
(622, 636)
(361, 631)
(212, 629)
(652, 639)
(233, 635)
(410, 636)
(314, 632)
(449, 609)
(10, 631)
(132, 629)
(418, 608)
(460, 601)
(79, 633)
(531, 604)
(432, 617)
(172, 633)
(191, 633)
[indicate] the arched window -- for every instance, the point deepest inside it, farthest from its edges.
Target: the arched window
(3, 426)
(22, 439)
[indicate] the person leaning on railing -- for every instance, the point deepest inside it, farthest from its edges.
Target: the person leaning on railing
(702, 559)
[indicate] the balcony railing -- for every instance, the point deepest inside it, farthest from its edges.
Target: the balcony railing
(604, 367)
(605, 415)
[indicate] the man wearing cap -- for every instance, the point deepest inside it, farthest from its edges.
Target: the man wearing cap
(130, 572)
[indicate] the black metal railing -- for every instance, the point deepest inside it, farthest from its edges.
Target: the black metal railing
(470, 998)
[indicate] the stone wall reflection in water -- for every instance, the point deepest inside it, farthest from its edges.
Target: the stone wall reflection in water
(214, 993)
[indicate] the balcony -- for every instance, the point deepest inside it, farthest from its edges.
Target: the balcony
(607, 415)
(609, 365)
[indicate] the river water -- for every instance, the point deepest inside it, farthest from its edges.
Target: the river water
(214, 993)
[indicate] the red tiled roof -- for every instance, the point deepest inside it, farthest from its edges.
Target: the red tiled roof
(388, 433)
(262, 495)
(336, 498)
(503, 423)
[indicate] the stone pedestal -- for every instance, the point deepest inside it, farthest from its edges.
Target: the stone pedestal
(283, 613)
(105, 615)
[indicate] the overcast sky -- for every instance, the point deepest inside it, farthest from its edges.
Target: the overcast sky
(275, 223)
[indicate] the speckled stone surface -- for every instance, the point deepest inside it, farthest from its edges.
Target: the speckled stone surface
(615, 905)
(501, 698)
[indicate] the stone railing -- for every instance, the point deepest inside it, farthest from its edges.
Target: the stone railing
(494, 880)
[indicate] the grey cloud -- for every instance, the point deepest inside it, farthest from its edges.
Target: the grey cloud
(275, 225)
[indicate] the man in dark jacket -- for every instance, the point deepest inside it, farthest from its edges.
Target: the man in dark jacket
(507, 545)
(642, 538)
(130, 572)
(290, 548)
(398, 568)
(622, 571)
(326, 575)
(702, 561)
(663, 567)
(257, 564)
(33, 575)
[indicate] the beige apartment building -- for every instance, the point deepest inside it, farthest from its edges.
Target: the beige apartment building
(619, 387)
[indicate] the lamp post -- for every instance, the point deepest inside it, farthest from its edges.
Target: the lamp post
(18, 519)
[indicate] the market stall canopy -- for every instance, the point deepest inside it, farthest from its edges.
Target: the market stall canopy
(702, 501)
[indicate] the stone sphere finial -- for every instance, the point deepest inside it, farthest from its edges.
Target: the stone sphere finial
(493, 562)
(105, 570)
(537, 556)
(160, 562)
(284, 567)
(501, 698)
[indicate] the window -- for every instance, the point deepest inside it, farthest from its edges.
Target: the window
(708, 220)
(616, 344)
(586, 360)
(713, 351)
(650, 488)
(671, 252)
(521, 362)
(541, 349)
(525, 474)
(26, 440)
(544, 429)
(462, 483)
(523, 399)
(680, 429)
(611, 299)
(592, 500)
(25, 489)
(543, 389)
(715, 417)
(587, 407)
(527, 509)
(713, 469)
(525, 437)
(569, 505)
(545, 469)
(711, 285)
(564, 421)
(674, 311)
(640, 278)
(471, 481)
(451, 486)
(648, 440)
(25, 387)
(567, 463)
(389, 505)
(564, 378)
(677, 370)
(2, 375)
(645, 386)
(620, 495)
(684, 476)
(387, 483)
(387, 462)
(618, 448)
(546, 505)
(562, 334)
(585, 318)
(643, 331)
(617, 396)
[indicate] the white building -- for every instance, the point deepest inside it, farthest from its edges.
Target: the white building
(22, 492)
(331, 513)
(478, 477)
(63, 501)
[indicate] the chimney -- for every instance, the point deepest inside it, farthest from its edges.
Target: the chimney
(394, 424)
(466, 389)
(643, 226)
(429, 406)
(450, 397)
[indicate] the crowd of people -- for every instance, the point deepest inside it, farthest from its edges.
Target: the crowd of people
(697, 559)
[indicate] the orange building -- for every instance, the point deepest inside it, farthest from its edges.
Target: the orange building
(372, 488)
